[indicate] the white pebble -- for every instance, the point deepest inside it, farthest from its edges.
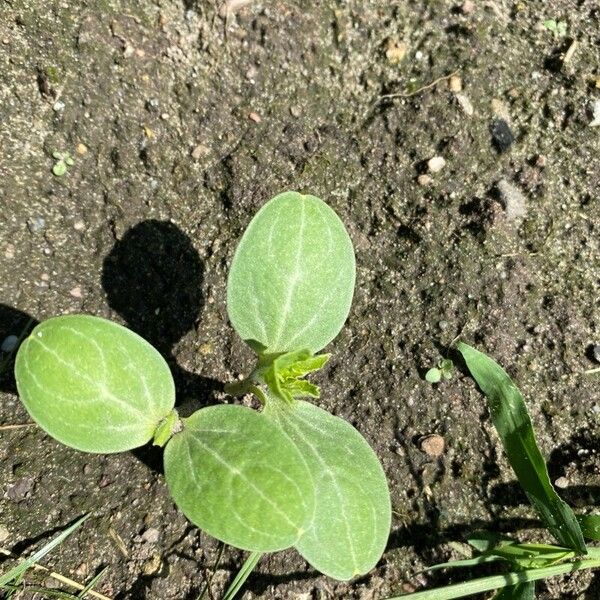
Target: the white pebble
(596, 113)
(515, 204)
(436, 164)
(465, 104)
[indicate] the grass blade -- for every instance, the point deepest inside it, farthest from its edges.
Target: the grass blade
(512, 422)
(242, 575)
(29, 562)
(88, 588)
(521, 591)
(495, 582)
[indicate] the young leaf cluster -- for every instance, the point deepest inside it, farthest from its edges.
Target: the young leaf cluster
(289, 475)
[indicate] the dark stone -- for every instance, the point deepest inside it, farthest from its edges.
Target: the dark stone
(502, 136)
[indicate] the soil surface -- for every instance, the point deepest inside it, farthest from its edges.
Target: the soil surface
(182, 121)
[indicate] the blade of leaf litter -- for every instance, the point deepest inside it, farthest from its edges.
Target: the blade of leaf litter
(511, 420)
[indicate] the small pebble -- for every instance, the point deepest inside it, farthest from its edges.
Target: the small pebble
(253, 116)
(9, 251)
(596, 352)
(540, 161)
(596, 114)
(500, 109)
(502, 136)
(515, 204)
(465, 104)
(562, 483)
(433, 445)
(104, 481)
(395, 51)
(81, 149)
(76, 292)
(151, 535)
(424, 179)
(9, 343)
(36, 224)
(436, 164)
(468, 6)
(295, 111)
(79, 225)
(152, 104)
(4, 534)
(199, 151)
(455, 84)
(152, 565)
(58, 106)
(20, 489)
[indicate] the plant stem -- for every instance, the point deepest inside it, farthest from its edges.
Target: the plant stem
(246, 386)
(494, 582)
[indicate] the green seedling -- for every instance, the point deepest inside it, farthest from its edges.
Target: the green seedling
(558, 28)
(525, 563)
(64, 160)
(289, 475)
(444, 370)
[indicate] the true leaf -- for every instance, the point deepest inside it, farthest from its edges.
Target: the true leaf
(292, 277)
(352, 512)
(511, 420)
(236, 475)
(93, 384)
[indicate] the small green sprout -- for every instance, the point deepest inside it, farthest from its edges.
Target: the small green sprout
(64, 160)
(444, 370)
(290, 475)
(558, 28)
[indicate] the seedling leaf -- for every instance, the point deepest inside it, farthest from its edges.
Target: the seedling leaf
(292, 277)
(511, 420)
(93, 384)
(236, 475)
(59, 168)
(434, 375)
(352, 513)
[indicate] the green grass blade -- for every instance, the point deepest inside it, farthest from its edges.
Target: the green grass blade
(27, 563)
(242, 575)
(495, 582)
(90, 586)
(512, 422)
(590, 525)
(522, 591)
